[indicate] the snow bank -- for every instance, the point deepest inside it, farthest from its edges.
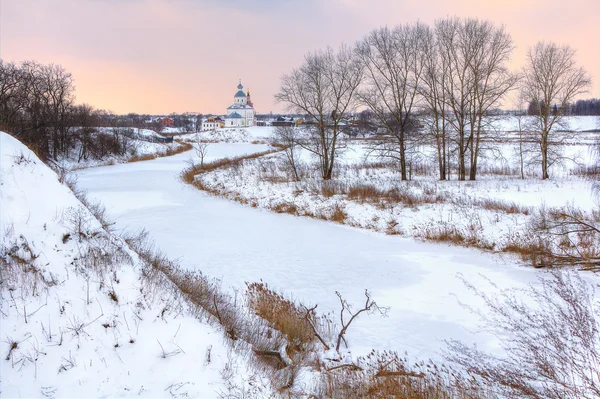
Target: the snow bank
(76, 318)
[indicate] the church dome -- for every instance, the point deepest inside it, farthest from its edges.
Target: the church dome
(240, 93)
(240, 87)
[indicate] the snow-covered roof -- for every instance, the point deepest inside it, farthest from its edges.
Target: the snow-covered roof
(234, 115)
(239, 106)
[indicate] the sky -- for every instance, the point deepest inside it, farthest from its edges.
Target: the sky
(163, 56)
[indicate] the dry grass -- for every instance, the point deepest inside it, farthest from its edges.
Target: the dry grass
(387, 375)
(492, 204)
(285, 315)
(19, 270)
(338, 215)
(451, 234)
(285, 207)
(204, 295)
(371, 194)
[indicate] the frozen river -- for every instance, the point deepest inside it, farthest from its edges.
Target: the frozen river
(308, 259)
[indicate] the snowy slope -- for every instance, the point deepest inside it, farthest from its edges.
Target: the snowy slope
(76, 319)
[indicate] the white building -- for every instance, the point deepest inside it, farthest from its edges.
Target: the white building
(212, 123)
(241, 113)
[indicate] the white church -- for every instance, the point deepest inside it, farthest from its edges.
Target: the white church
(241, 113)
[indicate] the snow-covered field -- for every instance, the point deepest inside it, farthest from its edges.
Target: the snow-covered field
(76, 319)
(307, 258)
(574, 123)
(491, 212)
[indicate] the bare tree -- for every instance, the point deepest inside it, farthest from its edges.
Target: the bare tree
(287, 136)
(14, 85)
(347, 316)
(552, 80)
(201, 148)
(83, 115)
(57, 94)
(474, 54)
(35, 105)
(393, 61)
(596, 168)
(550, 335)
(525, 139)
(366, 122)
(197, 122)
(122, 134)
(323, 87)
(432, 90)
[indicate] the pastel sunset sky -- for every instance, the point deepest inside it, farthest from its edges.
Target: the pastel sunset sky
(161, 56)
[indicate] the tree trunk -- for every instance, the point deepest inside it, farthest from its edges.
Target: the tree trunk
(544, 150)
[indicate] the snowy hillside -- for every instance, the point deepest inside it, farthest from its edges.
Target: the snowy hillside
(254, 134)
(109, 146)
(78, 317)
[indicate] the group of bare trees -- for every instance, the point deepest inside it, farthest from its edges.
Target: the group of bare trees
(37, 106)
(438, 85)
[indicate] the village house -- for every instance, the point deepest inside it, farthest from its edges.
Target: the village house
(212, 123)
(166, 122)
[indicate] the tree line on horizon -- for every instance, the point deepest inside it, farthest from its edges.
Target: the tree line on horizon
(584, 107)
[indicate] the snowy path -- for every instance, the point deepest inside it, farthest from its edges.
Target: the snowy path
(307, 258)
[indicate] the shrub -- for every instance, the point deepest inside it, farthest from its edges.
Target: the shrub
(550, 337)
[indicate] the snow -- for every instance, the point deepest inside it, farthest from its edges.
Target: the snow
(310, 259)
(142, 133)
(72, 339)
(139, 143)
(575, 123)
(262, 183)
(421, 283)
(232, 135)
(169, 129)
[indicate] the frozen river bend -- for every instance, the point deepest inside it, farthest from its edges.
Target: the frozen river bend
(308, 259)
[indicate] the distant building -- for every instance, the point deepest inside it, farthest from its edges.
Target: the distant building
(283, 121)
(166, 122)
(241, 113)
(212, 123)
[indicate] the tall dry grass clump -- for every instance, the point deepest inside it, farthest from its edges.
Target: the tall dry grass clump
(387, 375)
(285, 315)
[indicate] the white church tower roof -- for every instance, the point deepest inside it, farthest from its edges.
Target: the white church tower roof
(240, 96)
